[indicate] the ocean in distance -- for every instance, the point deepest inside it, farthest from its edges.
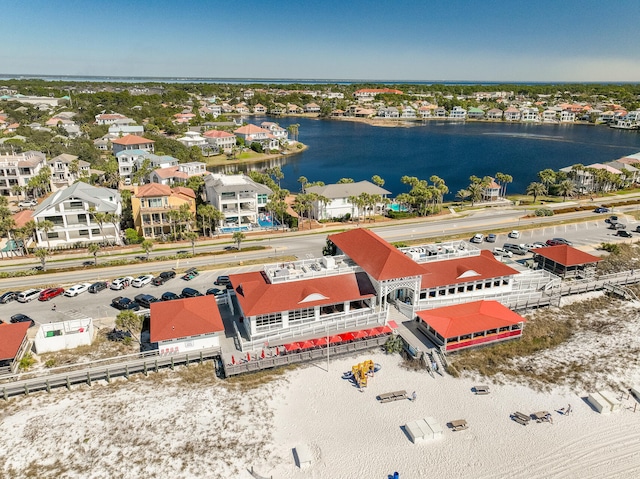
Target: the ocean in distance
(452, 150)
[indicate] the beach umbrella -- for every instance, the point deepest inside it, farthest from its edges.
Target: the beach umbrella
(320, 342)
(291, 347)
(360, 334)
(347, 336)
(277, 351)
(371, 332)
(306, 345)
(386, 330)
(335, 339)
(233, 360)
(262, 355)
(248, 356)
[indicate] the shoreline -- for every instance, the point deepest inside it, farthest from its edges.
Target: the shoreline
(249, 161)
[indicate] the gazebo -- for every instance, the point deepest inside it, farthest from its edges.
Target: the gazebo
(477, 323)
(566, 261)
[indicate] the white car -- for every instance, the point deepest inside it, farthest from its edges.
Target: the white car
(76, 289)
(514, 234)
(502, 252)
(121, 283)
(477, 238)
(27, 203)
(140, 281)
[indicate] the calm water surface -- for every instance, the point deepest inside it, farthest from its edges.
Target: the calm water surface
(453, 151)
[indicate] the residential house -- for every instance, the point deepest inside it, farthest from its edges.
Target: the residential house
(282, 134)
(123, 130)
(338, 195)
(180, 173)
(132, 142)
(512, 114)
(14, 343)
(222, 140)
(67, 169)
(475, 113)
(69, 210)
(495, 114)
(151, 204)
(185, 325)
(458, 113)
(111, 118)
(252, 133)
(550, 116)
(130, 161)
(491, 192)
(183, 117)
(408, 113)
(240, 199)
(259, 109)
(18, 169)
(388, 112)
(192, 138)
(369, 94)
(440, 112)
(312, 108)
(293, 109)
(530, 115)
(567, 116)
(242, 108)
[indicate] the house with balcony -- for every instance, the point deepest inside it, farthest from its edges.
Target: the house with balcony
(192, 138)
(18, 169)
(491, 192)
(282, 134)
(129, 161)
(123, 130)
(550, 115)
(112, 118)
(240, 199)
(67, 169)
(181, 173)
(530, 115)
(512, 114)
(567, 116)
(408, 113)
(69, 210)
(254, 134)
(312, 108)
(151, 204)
(458, 113)
(131, 142)
(338, 195)
(494, 114)
(259, 109)
(475, 113)
(388, 112)
(223, 141)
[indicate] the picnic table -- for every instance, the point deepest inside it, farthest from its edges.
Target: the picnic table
(459, 425)
(541, 416)
(393, 396)
(521, 418)
(481, 390)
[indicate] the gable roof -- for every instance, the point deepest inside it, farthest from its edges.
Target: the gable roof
(463, 270)
(182, 318)
(469, 318)
(153, 189)
(378, 258)
(11, 337)
(104, 199)
(218, 134)
(22, 217)
(566, 255)
(344, 190)
(131, 140)
(256, 295)
(250, 130)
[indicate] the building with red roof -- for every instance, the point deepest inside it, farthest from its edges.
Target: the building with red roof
(151, 204)
(466, 325)
(185, 325)
(369, 94)
(255, 134)
(566, 261)
(132, 142)
(13, 344)
(222, 140)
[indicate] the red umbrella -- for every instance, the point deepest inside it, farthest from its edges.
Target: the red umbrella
(233, 360)
(347, 336)
(360, 334)
(335, 339)
(306, 345)
(320, 342)
(371, 332)
(277, 351)
(262, 355)
(386, 330)
(291, 347)
(248, 356)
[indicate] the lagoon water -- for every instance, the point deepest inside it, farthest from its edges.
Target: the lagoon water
(453, 151)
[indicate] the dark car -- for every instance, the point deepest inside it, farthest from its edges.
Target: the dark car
(98, 286)
(50, 293)
(88, 263)
(169, 296)
(601, 209)
(124, 303)
(22, 318)
(215, 291)
(8, 296)
(163, 277)
(637, 230)
(158, 281)
(623, 234)
(145, 300)
(617, 226)
(190, 274)
(182, 251)
(558, 241)
(222, 281)
(190, 293)
(231, 248)
(141, 258)
(611, 219)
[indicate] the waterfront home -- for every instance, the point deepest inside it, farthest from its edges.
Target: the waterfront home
(550, 116)
(369, 94)
(293, 109)
(440, 112)
(132, 142)
(567, 116)
(252, 133)
(282, 134)
(242, 108)
(69, 209)
(339, 204)
(67, 169)
(185, 325)
(475, 113)
(151, 204)
(259, 109)
(222, 140)
(240, 199)
(530, 115)
(494, 114)
(277, 109)
(425, 111)
(491, 192)
(180, 173)
(606, 117)
(512, 114)
(388, 112)
(18, 169)
(312, 108)
(458, 113)
(408, 112)
(566, 261)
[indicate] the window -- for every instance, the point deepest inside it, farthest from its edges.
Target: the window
(52, 235)
(300, 316)
(266, 322)
(76, 204)
(95, 231)
(83, 233)
(154, 202)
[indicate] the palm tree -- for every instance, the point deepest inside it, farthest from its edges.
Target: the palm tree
(16, 190)
(303, 183)
(42, 254)
(462, 195)
(377, 180)
(192, 237)
(238, 237)
(547, 177)
(99, 217)
(45, 226)
(566, 188)
(93, 249)
(114, 219)
(475, 192)
(147, 246)
(536, 189)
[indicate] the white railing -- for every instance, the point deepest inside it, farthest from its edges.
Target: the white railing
(440, 251)
(308, 268)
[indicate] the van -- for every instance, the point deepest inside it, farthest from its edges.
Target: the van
(514, 248)
(29, 295)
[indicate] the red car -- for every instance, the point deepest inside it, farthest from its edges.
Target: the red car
(50, 293)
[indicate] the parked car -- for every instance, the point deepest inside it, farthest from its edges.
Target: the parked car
(617, 226)
(601, 209)
(637, 230)
(163, 277)
(50, 293)
(141, 281)
(122, 303)
(502, 252)
(28, 295)
(558, 241)
(215, 292)
(22, 318)
(158, 281)
(98, 286)
(515, 234)
(611, 219)
(515, 249)
(121, 283)
(8, 296)
(77, 289)
(477, 238)
(490, 238)
(190, 293)
(182, 251)
(624, 234)
(532, 246)
(145, 300)
(190, 274)
(169, 296)
(27, 203)
(222, 281)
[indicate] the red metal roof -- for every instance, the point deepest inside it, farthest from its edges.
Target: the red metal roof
(182, 318)
(11, 337)
(131, 140)
(257, 296)
(469, 318)
(463, 270)
(566, 255)
(378, 258)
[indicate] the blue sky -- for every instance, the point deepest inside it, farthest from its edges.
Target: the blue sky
(472, 40)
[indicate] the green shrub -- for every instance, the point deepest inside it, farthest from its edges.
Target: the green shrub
(612, 248)
(50, 363)
(543, 212)
(131, 236)
(27, 361)
(393, 345)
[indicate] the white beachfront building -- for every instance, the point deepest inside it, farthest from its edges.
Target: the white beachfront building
(339, 204)
(240, 199)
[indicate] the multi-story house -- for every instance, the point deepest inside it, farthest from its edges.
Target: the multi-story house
(388, 112)
(123, 130)
(222, 140)
(530, 115)
(18, 169)
(111, 118)
(67, 169)
(132, 142)
(408, 112)
(458, 113)
(173, 174)
(567, 116)
(255, 134)
(512, 114)
(550, 116)
(130, 161)
(494, 114)
(282, 134)
(260, 109)
(70, 210)
(338, 195)
(192, 138)
(491, 192)
(312, 108)
(240, 199)
(151, 204)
